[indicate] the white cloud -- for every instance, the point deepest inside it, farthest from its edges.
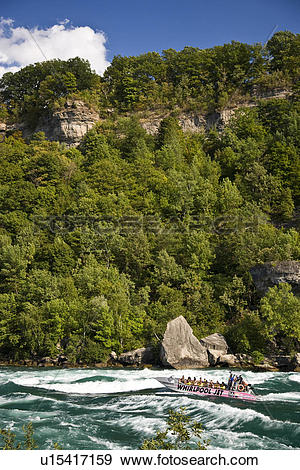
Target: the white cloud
(20, 47)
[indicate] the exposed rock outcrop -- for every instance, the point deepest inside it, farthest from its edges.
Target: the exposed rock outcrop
(269, 275)
(3, 128)
(46, 362)
(194, 122)
(296, 362)
(199, 122)
(113, 357)
(228, 360)
(216, 347)
(180, 349)
(137, 357)
(69, 124)
(215, 342)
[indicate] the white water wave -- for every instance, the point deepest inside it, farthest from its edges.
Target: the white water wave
(223, 438)
(295, 377)
(44, 377)
(98, 387)
(105, 444)
(287, 396)
(212, 414)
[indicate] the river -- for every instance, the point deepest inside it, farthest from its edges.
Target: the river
(119, 408)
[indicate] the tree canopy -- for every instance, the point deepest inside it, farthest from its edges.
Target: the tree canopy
(102, 245)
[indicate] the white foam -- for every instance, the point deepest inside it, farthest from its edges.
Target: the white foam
(287, 396)
(134, 378)
(241, 440)
(141, 424)
(295, 377)
(105, 444)
(98, 387)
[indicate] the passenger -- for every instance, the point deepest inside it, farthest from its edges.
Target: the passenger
(223, 385)
(211, 384)
(245, 385)
(235, 382)
(182, 379)
(229, 384)
(232, 382)
(217, 384)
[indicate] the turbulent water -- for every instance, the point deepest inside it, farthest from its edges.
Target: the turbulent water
(118, 409)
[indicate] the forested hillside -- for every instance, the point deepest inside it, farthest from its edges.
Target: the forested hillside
(100, 246)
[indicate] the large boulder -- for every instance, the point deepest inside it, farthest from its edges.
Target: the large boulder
(268, 275)
(46, 362)
(216, 342)
(229, 360)
(216, 347)
(180, 349)
(213, 356)
(137, 357)
(296, 362)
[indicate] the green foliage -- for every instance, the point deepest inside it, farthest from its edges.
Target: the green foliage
(29, 91)
(10, 443)
(179, 434)
(281, 312)
(102, 245)
(247, 334)
(257, 357)
(29, 443)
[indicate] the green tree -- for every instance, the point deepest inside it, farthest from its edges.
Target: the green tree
(29, 442)
(178, 434)
(280, 309)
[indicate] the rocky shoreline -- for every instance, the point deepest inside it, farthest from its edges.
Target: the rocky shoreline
(278, 363)
(179, 349)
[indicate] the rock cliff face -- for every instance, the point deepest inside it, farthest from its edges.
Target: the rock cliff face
(190, 122)
(198, 122)
(67, 125)
(70, 124)
(268, 275)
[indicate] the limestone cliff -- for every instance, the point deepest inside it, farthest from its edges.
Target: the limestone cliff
(69, 124)
(269, 275)
(199, 122)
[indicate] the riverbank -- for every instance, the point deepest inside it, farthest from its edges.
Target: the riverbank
(179, 349)
(271, 363)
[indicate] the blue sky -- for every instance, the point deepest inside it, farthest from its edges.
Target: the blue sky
(132, 27)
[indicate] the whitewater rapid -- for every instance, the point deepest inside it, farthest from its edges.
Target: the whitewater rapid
(115, 409)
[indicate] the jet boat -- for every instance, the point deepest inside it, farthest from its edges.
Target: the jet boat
(176, 385)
